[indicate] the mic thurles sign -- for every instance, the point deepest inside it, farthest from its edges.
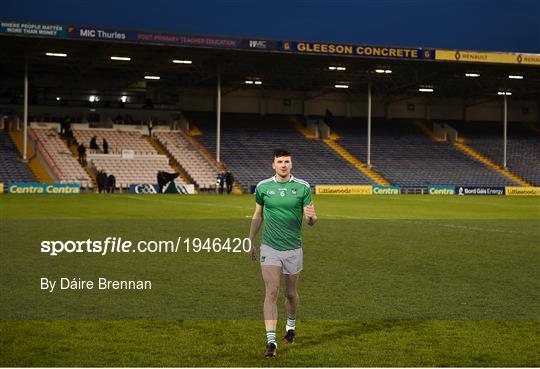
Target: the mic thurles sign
(94, 33)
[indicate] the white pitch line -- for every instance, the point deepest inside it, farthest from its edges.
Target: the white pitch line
(328, 216)
(427, 199)
(137, 198)
(198, 204)
(475, 228)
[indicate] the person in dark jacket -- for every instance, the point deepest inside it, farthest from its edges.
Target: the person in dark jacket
(229, 180)
(82, 154)
(105, 146)
(63, 128)
(93, 143)
(111, 183)
(101, 181)
(150, 125)
(69, 136)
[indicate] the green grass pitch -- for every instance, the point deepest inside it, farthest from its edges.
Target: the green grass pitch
(388, 281)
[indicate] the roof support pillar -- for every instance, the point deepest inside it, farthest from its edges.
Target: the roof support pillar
(369, 126)
(505, 129)
(25, 122)
(218, 116)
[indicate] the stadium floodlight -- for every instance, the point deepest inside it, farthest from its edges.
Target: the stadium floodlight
(383, 71)
(124, 98)
(503, 93)
(341, 86)
(332, 68)
(472, 75)
(121, 58)
(341, 68)
(515, 76)
(152, 77)
(253, 80)
(337, 68)
(58, 55)
(93, 98)
(425, 89)
(57, 98)
(178, 61)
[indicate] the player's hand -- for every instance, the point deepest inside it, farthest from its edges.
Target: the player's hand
(253, 253)
(309, 211)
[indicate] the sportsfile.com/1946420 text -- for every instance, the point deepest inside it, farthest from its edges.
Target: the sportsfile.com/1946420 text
(117, 245)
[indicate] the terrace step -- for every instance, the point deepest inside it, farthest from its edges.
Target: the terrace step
(490, 164)
(37, 169)
(370, 173)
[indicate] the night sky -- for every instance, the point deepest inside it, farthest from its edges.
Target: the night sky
(493, 25)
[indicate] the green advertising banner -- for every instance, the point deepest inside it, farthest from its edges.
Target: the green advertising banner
(33, 29)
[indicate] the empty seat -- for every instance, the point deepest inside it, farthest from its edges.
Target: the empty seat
(12, 169)
(59, 158)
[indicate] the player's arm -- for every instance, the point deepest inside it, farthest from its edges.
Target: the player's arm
(310, 214)
(256, 222)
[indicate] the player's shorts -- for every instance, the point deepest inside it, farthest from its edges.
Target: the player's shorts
(290, 261)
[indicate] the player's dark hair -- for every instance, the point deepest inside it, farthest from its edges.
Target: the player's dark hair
(281, 152)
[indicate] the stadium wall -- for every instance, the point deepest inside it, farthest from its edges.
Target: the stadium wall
(517, 110)
(286, 102)
(300, 103)
(48, 113)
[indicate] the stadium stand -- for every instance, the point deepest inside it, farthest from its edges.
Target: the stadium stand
(196, 165)
(523, 146)
(405, 156)
(58, 157)
(140, 169)
(118, 140)
(248, 141)
(11, 168)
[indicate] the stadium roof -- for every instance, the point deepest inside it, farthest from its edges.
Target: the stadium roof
(279, 65)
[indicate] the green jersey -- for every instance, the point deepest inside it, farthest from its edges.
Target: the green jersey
(283, 204)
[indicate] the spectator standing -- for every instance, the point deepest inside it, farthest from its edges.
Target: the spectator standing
(111, 183)
(150, 125)
(229, 180)
(101, 181)
(82, 154)
(220, 179)
(93, 143)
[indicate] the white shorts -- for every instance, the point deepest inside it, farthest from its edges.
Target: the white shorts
(290, 261)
